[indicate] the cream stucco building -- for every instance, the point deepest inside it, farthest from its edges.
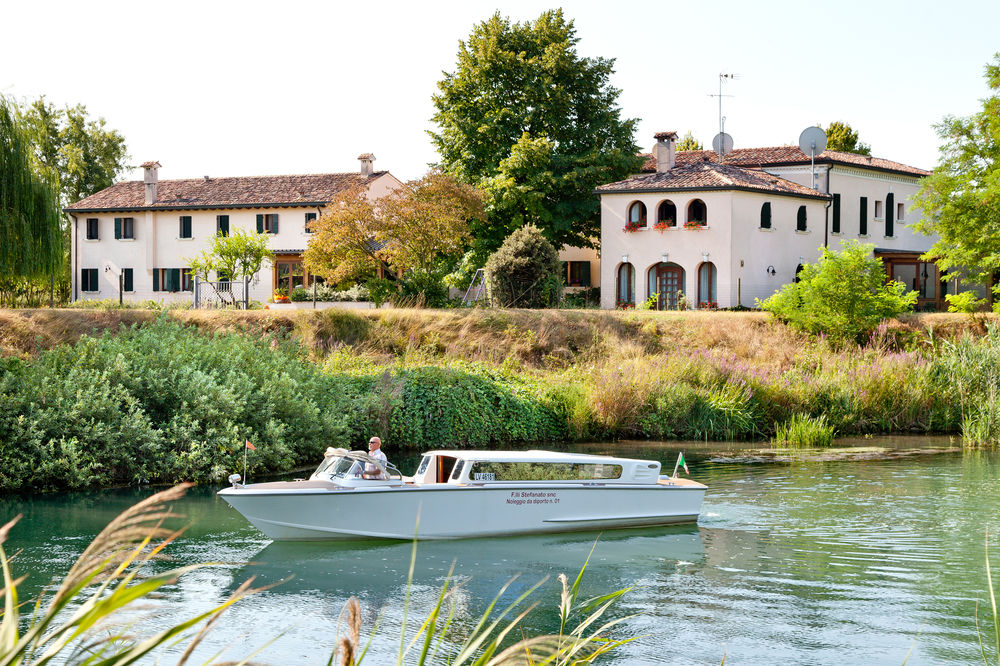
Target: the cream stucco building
(133, 240)
(701, 230)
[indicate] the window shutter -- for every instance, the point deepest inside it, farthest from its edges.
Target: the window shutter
(156, 279)
(84, 282)
(118, 228)
(222, 224)
(890, 209)
(274, 223)
(836, 213)
(585, 273)
(174, 280)
(800, 224)
(260, 223)
(765, 216)
(128, 285)
(863, 227)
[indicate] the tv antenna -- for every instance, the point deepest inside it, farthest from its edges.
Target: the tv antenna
(722, 118)
(813, 142)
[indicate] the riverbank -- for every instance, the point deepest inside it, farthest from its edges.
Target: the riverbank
(171, 396)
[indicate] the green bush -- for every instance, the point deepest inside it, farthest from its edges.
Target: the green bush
(967, 302)
(804, 430)
(326, 293)
(162, 403)
(844, 296)
(525, 272)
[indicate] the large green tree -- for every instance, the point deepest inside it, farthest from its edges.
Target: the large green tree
(86, 155)
(536, 126)
(30, 243)
(840, 136)
(961, 199)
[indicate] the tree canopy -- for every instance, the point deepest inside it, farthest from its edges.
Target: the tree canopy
(30, 218)
(961, 199)
(845, 295)
(688, 142)
(840, 136)
(86, 155)
(237, 255)
(536, 126)
(412, 228)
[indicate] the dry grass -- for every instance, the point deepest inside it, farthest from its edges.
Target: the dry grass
(535, 338)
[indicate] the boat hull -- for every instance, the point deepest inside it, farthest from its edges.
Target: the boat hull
(450, 512)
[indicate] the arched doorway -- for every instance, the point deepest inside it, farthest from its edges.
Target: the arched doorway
(667, 281)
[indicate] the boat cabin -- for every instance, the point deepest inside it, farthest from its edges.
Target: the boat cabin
(487, 467)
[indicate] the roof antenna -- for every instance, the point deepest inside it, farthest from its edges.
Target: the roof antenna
(812, 141)
(721, 148)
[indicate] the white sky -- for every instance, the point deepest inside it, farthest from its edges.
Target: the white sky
(252, 88)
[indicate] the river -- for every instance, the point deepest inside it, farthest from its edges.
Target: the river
(868, 559)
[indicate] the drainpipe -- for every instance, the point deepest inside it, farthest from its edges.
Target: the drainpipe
(75, 259)
(826, 225)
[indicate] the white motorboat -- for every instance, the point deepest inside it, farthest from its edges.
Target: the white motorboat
(457, 494)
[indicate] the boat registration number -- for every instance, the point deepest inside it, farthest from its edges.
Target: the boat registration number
(484, 476)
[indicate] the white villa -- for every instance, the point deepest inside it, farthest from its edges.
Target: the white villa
(136, 236)
(726, 231)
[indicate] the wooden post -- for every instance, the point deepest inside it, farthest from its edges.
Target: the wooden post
(314, 294)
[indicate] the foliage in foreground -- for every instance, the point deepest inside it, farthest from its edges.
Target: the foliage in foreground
(82, 621)
(845, 295)
(804, 430)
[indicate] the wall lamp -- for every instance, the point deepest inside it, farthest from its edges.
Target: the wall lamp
(624, 258)
(663, 257)
(770, 271)
(704, 257)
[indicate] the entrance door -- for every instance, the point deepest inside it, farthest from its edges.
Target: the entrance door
(288, 274)
(668, 284)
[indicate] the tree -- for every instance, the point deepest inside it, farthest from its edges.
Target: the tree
(840, 136)
(689, 143)
(525, 272)
(86, 155)
(534, 125)
(961, 199)
(413, 228)
(30, 218)
(237, 256)
(845, 295)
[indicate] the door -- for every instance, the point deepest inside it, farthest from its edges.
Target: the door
(288, 274)
(668, 284)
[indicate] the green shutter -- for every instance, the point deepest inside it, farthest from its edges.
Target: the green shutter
(863, 226)
(274, 223)
(118, 228)
(889, 210)
(127, 279)
(84, 282)
(174, 279)
(800, 224)
(836, 213)
(585, 273)
(156, 279)
(260, 223)
(222, 226)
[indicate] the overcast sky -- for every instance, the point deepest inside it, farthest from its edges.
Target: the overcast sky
(252, 88)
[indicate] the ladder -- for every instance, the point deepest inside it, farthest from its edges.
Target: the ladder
(476, 288)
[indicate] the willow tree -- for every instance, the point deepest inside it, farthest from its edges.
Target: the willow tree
(30, 240)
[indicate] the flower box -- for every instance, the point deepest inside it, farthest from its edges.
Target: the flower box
(634, 226)
(663, 225)
(694, 224)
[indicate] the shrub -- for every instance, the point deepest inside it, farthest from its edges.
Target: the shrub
(966, 302)
(327, 293)
(804, 430)
(525, 272)
(844, 296)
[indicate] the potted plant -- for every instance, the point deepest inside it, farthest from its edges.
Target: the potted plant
(634, 226)
(694, 224)
(663, 225)
(280, 295)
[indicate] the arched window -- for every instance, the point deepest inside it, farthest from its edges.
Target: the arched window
(637, 215)
(765, 216)
(697, 213)
(666, 214)
(666, 281)
(625, 291)
(800, 219)
(707, 294)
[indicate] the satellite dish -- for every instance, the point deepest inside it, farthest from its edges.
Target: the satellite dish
(722, 143)
(812, 141)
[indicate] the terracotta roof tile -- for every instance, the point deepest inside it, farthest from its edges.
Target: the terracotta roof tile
(784, 155)
(708, 175)
(225, 192)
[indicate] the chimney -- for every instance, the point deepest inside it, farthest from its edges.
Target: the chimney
(366, 160)
(665, 150)
(149, 177)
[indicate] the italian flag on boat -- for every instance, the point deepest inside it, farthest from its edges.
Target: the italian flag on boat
(681, 463)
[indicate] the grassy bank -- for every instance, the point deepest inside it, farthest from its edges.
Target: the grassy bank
(100, 398)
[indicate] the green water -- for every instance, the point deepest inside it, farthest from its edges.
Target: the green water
(792, 562)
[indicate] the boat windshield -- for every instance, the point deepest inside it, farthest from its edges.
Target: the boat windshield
(346, 467)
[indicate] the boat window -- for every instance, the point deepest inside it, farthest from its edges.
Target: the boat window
(541, 471)
(346, 467)
(444, 466)
(423, 465)
(458, 470)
